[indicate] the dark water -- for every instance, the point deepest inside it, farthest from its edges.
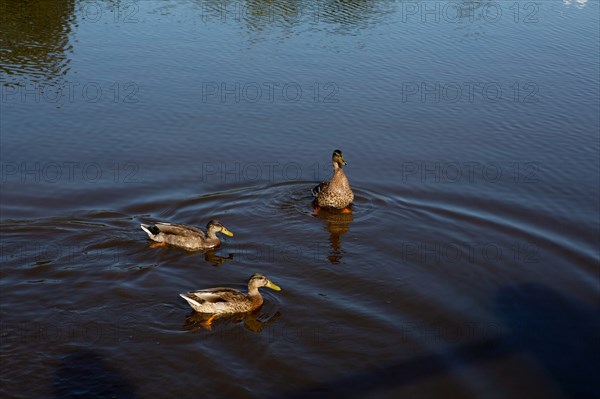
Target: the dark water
(468, 268)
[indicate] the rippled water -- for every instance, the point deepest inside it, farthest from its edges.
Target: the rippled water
(467, 268)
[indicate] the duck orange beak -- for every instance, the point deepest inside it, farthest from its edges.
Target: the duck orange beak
(226, 232)
(273, 286)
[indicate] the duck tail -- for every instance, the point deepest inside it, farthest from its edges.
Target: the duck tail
(151, 230)
(316, 190)
(193, 303)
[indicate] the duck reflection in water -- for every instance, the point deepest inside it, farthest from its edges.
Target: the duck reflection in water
(337, 224)
(216, 260)
(211, 256)
(254, 321)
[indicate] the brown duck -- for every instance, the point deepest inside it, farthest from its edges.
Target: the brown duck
(224, 300)
(188, 237)
(335, 193)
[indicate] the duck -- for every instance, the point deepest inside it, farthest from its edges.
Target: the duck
(223, 300)
(184, 236)
(336, 193)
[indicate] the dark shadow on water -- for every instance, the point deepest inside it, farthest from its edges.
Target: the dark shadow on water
(35, 41)
(562, 335)
(86, 374)
(339, 17)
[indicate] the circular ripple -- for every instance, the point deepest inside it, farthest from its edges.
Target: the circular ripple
(295, 199)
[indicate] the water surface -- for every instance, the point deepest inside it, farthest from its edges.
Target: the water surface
(469, 264)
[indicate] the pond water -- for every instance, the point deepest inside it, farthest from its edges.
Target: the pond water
(469, 266)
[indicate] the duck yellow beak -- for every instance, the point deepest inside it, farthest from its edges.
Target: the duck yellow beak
(226, 232)
(273, 286)
(342, 161)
